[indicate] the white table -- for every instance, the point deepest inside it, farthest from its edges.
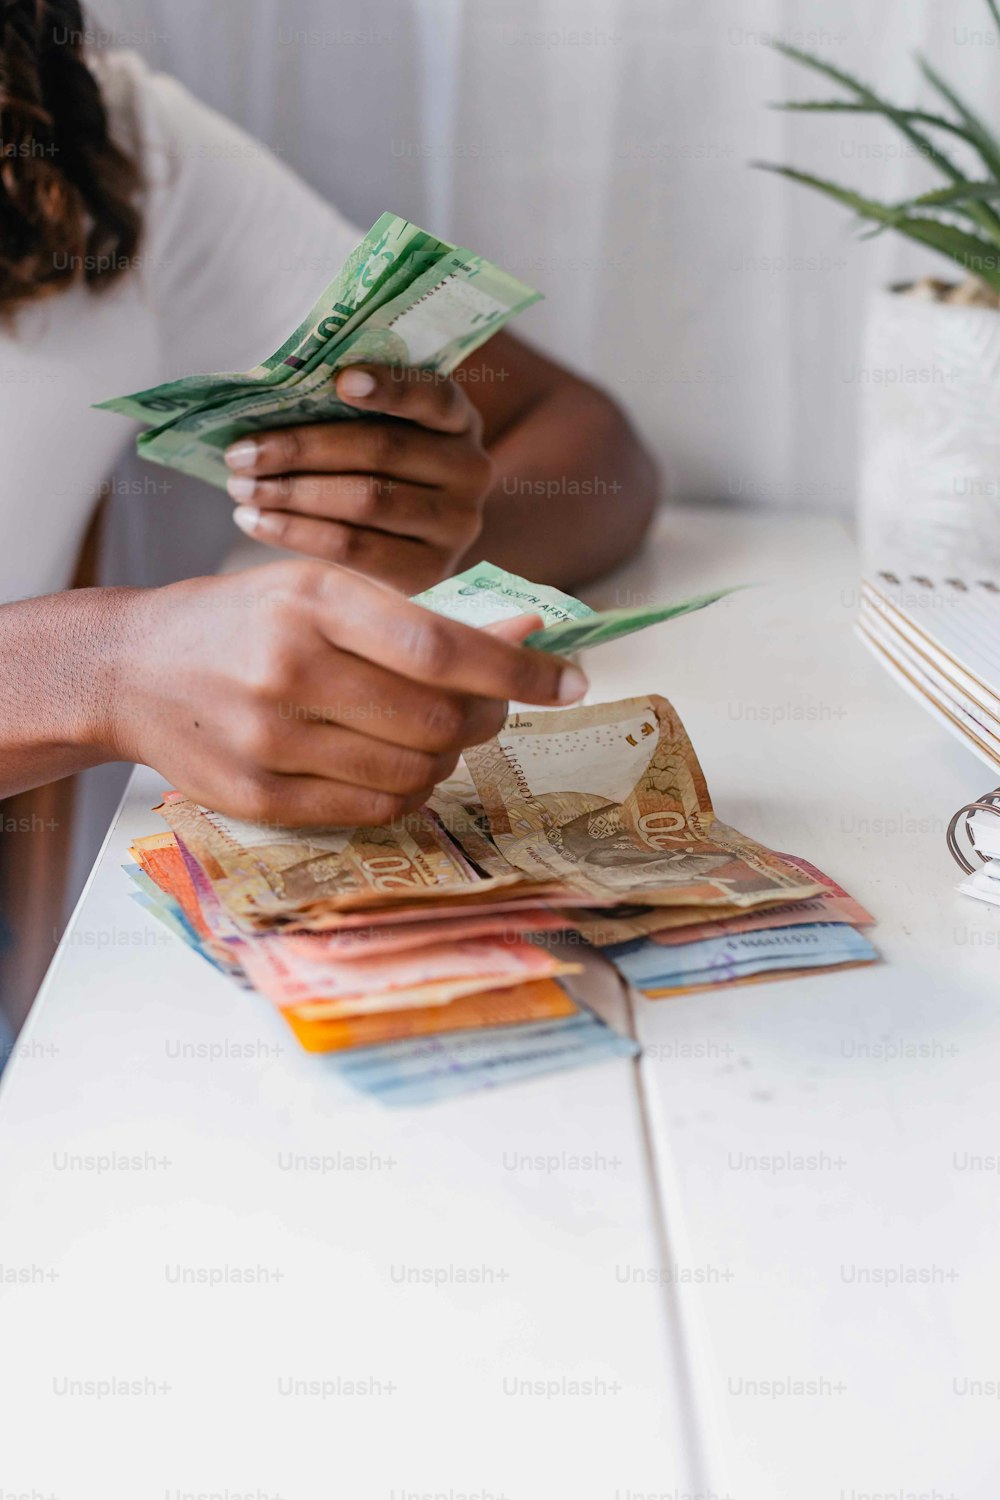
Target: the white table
(726, 1217)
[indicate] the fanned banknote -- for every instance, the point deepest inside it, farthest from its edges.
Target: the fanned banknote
(402, 298)
(389, 246)
(611, 624)
(486, 593)
(418, 953)
(611, 801)
(264, 874)
(687, 924)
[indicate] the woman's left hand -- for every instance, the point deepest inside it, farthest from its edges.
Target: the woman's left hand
(398, 497)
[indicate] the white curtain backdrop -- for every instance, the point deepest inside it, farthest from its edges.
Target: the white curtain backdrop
(600, 149)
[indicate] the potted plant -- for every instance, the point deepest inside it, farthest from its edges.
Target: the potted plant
(930, 426)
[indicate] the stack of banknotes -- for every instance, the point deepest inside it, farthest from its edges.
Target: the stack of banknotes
(432, 956)
(402, 298)
(423, 953)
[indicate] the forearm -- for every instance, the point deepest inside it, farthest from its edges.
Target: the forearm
(574, 493)
(57, 684)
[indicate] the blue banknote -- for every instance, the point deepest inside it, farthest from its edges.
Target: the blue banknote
(431, 1068)
(649, 965)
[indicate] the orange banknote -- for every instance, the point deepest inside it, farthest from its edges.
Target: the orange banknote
(538, 1000)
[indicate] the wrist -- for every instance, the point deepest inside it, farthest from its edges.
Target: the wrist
(102, 716)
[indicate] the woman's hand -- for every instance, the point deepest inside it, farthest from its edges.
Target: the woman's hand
(398, 497)
(301, 693)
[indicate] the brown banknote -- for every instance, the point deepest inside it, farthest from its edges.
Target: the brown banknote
(264, 874)
(689, 924)
(267, 876)
(610, 799)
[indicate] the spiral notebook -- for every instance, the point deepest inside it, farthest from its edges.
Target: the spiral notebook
(939, 635)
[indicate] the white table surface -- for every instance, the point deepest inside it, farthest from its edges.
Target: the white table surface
(766, 1253)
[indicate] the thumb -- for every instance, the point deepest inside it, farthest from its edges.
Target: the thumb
(514, 630)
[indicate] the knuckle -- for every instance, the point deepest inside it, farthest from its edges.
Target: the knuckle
(386, 440)
(444, 724)
(488, 721)
(288, 445)
(481, 471)
(260, 739)
(298, 577)
(410, 771)
(366, 497)
(397, 386)
(466, 526)
(378, 808)
(338, 543)
(311, 491)
(496, 717)
(443, 766)
(447, 393)
(428, 647)
(279, 527)
(476, 423)
(275, 672)
(258, 799)
(416, 801)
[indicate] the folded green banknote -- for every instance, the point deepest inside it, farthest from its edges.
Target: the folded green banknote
(485, 593)
(401, 298)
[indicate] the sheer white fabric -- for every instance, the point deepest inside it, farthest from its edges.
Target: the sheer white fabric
(600, 148)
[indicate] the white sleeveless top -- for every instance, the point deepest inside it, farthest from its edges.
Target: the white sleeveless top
(235, 249)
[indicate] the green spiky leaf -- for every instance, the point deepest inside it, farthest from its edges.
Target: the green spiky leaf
(976, 256)
(981, 213)
(984, 141)
(869, 208)
(868, 96)
(959, 192)
(850, 107)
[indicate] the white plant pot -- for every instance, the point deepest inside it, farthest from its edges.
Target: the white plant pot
(929, 400)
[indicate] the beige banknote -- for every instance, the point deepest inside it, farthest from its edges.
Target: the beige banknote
(611, 799)
(262, 873)
(688, 924)
(265, 875)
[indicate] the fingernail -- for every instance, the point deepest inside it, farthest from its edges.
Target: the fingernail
(247, 518)
(242, 455)
(356, 383)
(572, 684)
(241, 488)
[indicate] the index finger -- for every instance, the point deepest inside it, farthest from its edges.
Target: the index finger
(373, 621)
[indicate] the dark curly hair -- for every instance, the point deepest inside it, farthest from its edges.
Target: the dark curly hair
(68, 194)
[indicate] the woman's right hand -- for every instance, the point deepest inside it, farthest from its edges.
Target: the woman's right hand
(302, 693)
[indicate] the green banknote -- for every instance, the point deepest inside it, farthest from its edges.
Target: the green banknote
(441, 317)
(486, 593)
(390, 247)
(402, 298)
(611, 624)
